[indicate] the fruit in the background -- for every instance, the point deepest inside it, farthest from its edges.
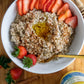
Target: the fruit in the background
(41, 3)
(37, 4)
(72, 21)
(66, 15)
(29, 60)
(49, 6)
(0, 66)
(25, 6)
(19, 7)
(20, 52)
(32, 4)
(63, 9)
(57, 5)
(13, 74)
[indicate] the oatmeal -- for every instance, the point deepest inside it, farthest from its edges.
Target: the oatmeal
(41, 34)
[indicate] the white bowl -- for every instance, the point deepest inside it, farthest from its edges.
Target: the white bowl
(52, 66)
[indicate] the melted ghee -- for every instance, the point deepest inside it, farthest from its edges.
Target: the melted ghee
(41, 29)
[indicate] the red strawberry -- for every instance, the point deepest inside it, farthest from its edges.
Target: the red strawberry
(45, 5)
(37, 4)
(57, 5)
(63, 9)
(29, 60)
(33, 57)
(15, 73)
(0, 66)
(50, 4)
(25, 4)
(32, 4)
(66, 15)
(72, 21)
(41, 3)
(19, 7)
(20, 52)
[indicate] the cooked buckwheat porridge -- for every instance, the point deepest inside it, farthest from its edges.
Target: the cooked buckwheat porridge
(41, 34)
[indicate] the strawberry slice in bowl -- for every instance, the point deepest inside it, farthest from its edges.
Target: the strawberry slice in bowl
(41, 3)
(32, 4)
(50, 4)
(37, 4)
(25, 6)
(19, 7)
(66, 15)
(63, 9)
(72, 21)
(56, 6)
(45, 5)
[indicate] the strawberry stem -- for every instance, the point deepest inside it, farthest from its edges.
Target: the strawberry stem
(27, 62)
(4, 62)
(16, 52)
(9, 79)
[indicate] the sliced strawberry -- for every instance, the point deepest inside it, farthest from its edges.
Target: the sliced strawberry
(15, 73)
(66, 15)
(49, 3)
(63, 9)
(41, 3)
(57, 5)
(49, 6)
(37, 4)
(45, 5)
(19, 7)
(32, 4)
(25, 4)
(72, 21)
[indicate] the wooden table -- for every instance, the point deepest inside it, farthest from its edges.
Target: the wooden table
(77, 65)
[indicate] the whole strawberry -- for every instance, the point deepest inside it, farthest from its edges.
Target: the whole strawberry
(0, 66)
(20, 52)
(13, 74)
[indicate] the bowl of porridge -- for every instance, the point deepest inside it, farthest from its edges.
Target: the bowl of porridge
(41, 34)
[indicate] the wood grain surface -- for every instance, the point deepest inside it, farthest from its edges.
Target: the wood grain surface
(77, 65)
